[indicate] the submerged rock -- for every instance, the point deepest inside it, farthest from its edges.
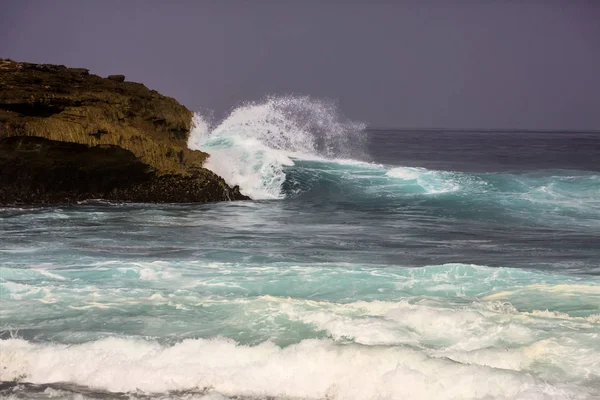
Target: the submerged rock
(67, 135)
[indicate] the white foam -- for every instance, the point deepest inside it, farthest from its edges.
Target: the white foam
(151, 271)
(405, 173)
(488, 334)
(311, 369)
(432, 182)
(562, 290)
(19, 291)
(49, 274)
(251, 147)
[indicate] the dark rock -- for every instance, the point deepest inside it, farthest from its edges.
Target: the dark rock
(117, 78)
(81, 71)
(35, 170)
(67, 135)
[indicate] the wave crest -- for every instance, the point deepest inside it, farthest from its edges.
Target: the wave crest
(251, 147)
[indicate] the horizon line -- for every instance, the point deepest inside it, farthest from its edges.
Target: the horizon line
(484, 130)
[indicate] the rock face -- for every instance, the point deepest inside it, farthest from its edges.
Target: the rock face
(66, 136)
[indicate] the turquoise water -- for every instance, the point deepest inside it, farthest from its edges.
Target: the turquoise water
(344, 279)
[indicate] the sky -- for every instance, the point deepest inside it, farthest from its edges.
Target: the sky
(407, 64)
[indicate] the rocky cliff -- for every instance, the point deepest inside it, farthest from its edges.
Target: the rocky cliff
(67, 135)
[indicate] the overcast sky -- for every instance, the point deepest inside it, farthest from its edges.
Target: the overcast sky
(457, 64)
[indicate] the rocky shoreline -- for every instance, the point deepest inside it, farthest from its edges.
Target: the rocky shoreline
(67, 136)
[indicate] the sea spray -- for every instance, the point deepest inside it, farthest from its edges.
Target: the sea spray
(251, 146)
(287, 147)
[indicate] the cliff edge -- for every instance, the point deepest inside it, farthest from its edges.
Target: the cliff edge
(67, 135)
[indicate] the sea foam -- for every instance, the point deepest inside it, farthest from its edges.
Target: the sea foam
(310, 369)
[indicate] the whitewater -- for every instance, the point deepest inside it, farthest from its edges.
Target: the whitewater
(369, 265)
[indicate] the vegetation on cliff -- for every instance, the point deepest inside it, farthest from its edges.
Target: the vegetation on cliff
(101, 137)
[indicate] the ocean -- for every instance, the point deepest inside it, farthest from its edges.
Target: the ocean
(371, 264)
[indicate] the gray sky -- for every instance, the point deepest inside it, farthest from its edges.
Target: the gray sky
(457, 64)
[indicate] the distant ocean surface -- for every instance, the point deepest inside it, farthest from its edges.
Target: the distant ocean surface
(370, 265)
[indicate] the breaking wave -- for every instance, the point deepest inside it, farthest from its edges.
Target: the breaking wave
(299, 147)
(311, 369)
(437, 332)
(254, 144)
